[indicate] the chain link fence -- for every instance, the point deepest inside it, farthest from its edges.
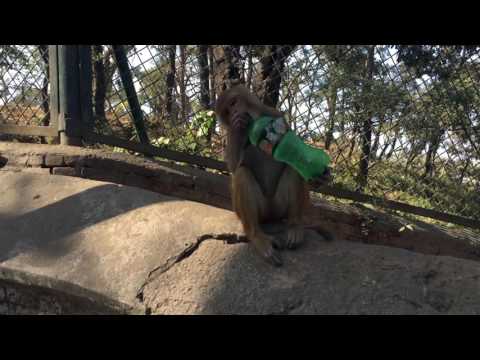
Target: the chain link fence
(24, 86)
(399, 122)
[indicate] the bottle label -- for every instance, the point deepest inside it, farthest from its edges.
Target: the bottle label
(275, 131)
(280, 126)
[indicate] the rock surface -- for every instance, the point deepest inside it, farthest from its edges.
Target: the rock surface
(104, 237)
(321, 278)
(166, 256)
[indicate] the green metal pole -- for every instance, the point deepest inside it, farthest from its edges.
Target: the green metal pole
(126, 77)
(70, 121)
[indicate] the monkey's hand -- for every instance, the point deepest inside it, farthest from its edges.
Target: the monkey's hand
(323, 179)
(240, 120)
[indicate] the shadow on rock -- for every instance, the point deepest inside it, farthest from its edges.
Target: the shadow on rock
(47, 229)
(338, 277)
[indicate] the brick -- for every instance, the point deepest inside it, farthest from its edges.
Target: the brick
(102, 175)
(117, 165)
(71, 160)
(162, 186)
(35, 161)
(138, 181)
(52, 160)
(19, 160)
(65, 171)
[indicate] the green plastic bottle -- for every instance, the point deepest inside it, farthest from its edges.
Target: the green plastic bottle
(273, 136)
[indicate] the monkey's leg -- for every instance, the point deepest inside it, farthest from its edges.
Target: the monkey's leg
(250, 205)
(290, 200)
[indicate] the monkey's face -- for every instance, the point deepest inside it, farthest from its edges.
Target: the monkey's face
(239, 113)
(234, 111)
(237, 107)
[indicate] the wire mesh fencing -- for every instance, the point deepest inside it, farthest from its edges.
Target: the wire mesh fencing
(399, 122)
(24, 86)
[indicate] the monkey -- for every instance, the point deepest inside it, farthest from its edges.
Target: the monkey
(263, 189)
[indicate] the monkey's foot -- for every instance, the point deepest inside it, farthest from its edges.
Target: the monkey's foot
(265, 246)
(278, 242)
(267, 251)
(273, 257)
(295, 236)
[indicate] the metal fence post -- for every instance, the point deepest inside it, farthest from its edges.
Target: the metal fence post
(53, 76)
(126, 76)
(69, 119)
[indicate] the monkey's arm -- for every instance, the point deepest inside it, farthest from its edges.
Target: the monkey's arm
(234, 150)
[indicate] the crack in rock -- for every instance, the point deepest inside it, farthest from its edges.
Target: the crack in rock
(227, 238)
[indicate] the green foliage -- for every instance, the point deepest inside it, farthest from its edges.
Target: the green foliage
(390, 179)
(194, 138)
(433, 60)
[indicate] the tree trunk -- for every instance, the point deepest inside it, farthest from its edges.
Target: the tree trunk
(204, 85)
(269, 75)
(211, 74)
(332, 107)
(100, 83)
(384, 148)
(378, 133)
(366, 133)
(429, 166)
(249, 66)
(170, 85)
(463, 172)
(352, 147)
(183, 95)
(204, 77)
(392, 149)
(414, 152)
(227, 67)
(104, 70)
(431, 153)
(342, 111)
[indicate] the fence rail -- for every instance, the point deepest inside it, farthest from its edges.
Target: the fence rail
(400, 122)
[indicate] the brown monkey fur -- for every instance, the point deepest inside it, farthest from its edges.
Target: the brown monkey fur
(263, 189)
